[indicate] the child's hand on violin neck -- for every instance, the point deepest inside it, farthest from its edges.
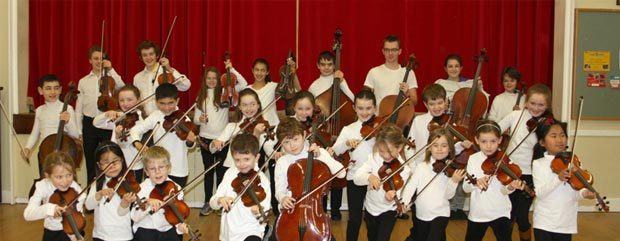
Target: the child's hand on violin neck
(226, 203)
(374, 182)
(483, 183)
(155, 204)
(389, 195)
(564, 175)
(517, 184)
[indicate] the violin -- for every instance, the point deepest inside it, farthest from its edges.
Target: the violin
(470, 104)
(73, 222)
(175, 210)
(307, 220)
(128, 122)
(248, 125)
(178, 122)
(448, 167)
(128, 185)
(255, 193)
(286, 88)
(165, 77)
(439, 122)
(389, 103)
(230, 97)
(107, 99)
(393, 183)
(499, 164)
(369, 126)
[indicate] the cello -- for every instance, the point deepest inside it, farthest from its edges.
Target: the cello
(403, 117)
(307, 220)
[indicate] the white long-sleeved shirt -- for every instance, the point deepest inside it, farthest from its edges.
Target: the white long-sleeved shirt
(111, 220)
(323, 83)
(434, 201)
(157, 220)
(524, 154)
(452, 86)
(143, 80)
(503, 104)
(129, 151)
(360, 154)
(283, 163)
(385, 81)
(40, 208)
(557, 203)
(86, 104)
(266, 95)
(375, 202)
(175, 146)
(217, 117)
(229, 132)
(419, 133)
(486, 206)
(46, 121)
(239, 223)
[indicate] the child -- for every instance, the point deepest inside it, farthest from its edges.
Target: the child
(537, 105)
(555, 211)
(506, 102)
(325, 64)
(86, 104)
(167, 97)
(240, 222)
(293, 136)
(491, 207)
(212, 118)
(387, 79)
(349, 138)
(111, 219)
(432, 207)
(48, 116)
(146, 80)
(381, 212)
(453, 65)
(128, 97)
(59, 172)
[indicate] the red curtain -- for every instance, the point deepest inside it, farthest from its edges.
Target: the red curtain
(515, 33)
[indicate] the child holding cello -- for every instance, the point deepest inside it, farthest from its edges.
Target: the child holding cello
(59, 173)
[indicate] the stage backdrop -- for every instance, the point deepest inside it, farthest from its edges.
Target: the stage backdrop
(515, 33)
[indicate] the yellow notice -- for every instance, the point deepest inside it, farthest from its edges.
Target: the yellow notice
(596, 60)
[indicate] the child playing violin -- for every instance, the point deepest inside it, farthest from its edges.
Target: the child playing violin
(240, 221)
(128, 97)
(155, 226)
(111, 219)
(433, 193)
(385, 158)
(59, 172)
(167, 97)
(489, 204)
(555, 211)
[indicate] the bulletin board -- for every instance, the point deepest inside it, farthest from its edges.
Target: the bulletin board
(596, 65)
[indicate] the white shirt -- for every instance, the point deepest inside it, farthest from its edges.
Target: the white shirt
(111, 220)
(323, 83)
(385, 81)
(360, 154)
(175, 146)
(557, 203)
(503, 104)
(524, 154)
(40, 208)
(452, 86)
(86, 104)
(129, 151)
(230, 131)
(419, 133)
(283, 163)
(157, 220)
(46, 121)
(217, 118)
(239, 223)
(266, 95)
(143, 80)
(491, 204)
(434, 201)
(375, 202)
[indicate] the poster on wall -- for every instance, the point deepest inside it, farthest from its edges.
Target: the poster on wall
(596, 61)
(595, 80)
(614, 82)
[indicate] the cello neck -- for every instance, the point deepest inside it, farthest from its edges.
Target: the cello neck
(309, 162)
(474, 87)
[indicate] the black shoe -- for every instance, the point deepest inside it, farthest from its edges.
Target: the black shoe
(403, 216)
(458, 214)
(336, 216)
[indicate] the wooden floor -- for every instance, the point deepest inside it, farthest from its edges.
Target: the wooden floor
(592, 227)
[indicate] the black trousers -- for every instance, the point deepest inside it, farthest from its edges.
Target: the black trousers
(434, 230)
(143, 234)
(542, 235)
(355, 200)
(253, 238)
(49, 235)
(521, 203)
(500, 226)
(208, 159)
(380, 227)
(179, 180)
(272, 183)
(139, 174)
(92, 136)
(96, 239)
(335, 200)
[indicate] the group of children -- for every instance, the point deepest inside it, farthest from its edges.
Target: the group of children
(239, 150)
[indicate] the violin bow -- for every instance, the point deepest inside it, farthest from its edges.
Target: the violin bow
(572, 156)
(163, 50)
(101, 50)
(89, 185)
(402, 166)
(176, 123)
(13, 130)
(190, 184)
